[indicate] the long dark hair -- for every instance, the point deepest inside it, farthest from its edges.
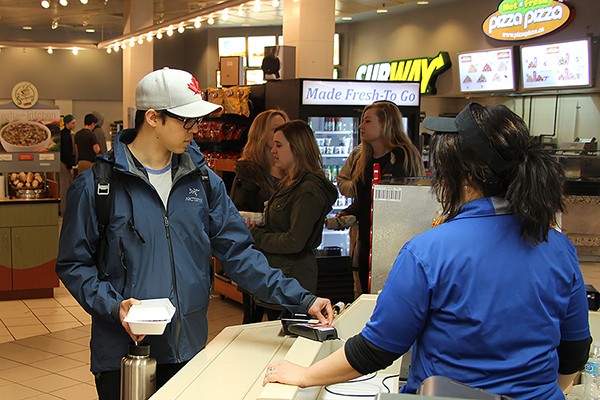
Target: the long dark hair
(303, 144)
(533, 183)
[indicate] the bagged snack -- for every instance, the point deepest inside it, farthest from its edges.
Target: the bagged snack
(215, 96)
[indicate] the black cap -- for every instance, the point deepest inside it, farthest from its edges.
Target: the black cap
(140, 350)
(471, 135)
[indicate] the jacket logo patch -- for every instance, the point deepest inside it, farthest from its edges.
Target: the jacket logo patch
(193, 195)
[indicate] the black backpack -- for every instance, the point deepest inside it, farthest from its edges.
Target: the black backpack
(103, 171)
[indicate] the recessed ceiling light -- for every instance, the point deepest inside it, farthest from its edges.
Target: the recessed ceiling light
(346, 18)
(90, 30)
(381, 11)
(422, 3)
(27, 28)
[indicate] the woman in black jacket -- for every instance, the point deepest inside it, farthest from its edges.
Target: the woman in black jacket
(384, 142)
(295, 213)
(256, 178)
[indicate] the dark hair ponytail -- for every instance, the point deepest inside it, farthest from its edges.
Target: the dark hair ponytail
(536, 192)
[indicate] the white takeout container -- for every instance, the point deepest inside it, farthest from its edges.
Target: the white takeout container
(151, 317)
(254, 217)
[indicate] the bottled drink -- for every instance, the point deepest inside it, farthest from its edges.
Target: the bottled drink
(138, 373)
(591, 375)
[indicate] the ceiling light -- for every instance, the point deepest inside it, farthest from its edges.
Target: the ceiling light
(225, 14)
(27, 28)
(123, 45)
(256, 5)
(131, 42)
(63, 3)
(116, 48)
(75, 51)
(240, 11)
(275, 3)
(159, 35)
(346, 18)
(54, 24)
(50, 51)
(90, 30)
(170, 31)
(109, 49)
(381, 11)
(181, 28)
(210, 20)
(83, 1)
(45, 4)
(197, 23)
(422, 3)
(149, 37)
(140, 40)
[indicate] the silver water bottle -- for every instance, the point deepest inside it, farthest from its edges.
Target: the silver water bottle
(138, 373)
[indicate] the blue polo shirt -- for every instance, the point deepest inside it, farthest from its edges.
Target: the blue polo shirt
(481, 305)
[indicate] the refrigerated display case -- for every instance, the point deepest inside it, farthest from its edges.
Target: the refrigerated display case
(333, 109)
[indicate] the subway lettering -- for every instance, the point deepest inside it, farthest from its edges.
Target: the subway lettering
(424, 70)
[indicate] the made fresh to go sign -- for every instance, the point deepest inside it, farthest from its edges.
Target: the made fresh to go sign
(526, 19)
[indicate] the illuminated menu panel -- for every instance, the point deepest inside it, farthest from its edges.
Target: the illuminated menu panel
(556, 65)
(487, 71)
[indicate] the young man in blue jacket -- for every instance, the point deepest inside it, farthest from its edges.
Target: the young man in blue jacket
(161, 234)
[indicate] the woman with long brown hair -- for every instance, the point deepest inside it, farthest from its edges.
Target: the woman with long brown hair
(256, 178)
(295, 213)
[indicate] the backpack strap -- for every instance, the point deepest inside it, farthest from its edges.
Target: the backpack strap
(205, 182)
(103, 171)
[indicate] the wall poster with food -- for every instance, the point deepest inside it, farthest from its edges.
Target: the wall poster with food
(29, 145)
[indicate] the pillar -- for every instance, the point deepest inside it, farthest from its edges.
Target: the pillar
(309, 26)
(138, 60)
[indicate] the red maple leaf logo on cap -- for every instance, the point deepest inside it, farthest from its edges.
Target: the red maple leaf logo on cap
(193, 86)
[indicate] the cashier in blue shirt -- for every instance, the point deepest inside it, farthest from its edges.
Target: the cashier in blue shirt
(493, 297)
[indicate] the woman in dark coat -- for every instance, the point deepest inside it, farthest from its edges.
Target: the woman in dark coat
(256, 178)
(294, 215)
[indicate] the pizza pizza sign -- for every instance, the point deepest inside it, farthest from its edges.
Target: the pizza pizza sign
(526, 19)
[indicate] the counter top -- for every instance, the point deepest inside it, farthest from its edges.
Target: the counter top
(233, 364)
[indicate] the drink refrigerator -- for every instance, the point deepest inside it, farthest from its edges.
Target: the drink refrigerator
(333, 109)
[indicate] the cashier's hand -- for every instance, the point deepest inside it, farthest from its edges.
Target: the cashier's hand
(124, 309)
(322, 310)
(285, 372)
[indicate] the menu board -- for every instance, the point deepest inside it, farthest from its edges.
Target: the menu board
(556, 65)
(489, 70)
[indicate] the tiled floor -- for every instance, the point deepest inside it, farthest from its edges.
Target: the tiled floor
(44, 350)
(44, 346)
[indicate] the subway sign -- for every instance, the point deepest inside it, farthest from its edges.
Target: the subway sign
(424, 70)
(526, 19)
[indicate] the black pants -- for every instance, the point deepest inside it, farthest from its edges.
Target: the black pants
(364, 270)
(108, 383)
(252, 311)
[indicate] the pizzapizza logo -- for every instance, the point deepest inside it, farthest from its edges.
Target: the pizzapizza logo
(424, 70)
(526, 19)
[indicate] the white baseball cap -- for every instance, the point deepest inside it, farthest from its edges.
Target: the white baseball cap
(173, 90)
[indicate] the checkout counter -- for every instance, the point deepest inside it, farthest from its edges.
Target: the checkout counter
(233, 364)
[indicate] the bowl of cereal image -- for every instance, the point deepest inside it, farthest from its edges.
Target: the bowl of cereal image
(23, 136)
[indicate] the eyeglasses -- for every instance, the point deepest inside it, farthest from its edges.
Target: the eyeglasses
(188, 123)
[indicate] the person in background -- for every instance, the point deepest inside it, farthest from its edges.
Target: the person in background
(256, 178)
(99, 131)
(383, 141)
(163, 229)
(295, 213)
(87, 144)
(67, 159)
(494, 296)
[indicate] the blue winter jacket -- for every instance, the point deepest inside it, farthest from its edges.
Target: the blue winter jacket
(158, 253)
